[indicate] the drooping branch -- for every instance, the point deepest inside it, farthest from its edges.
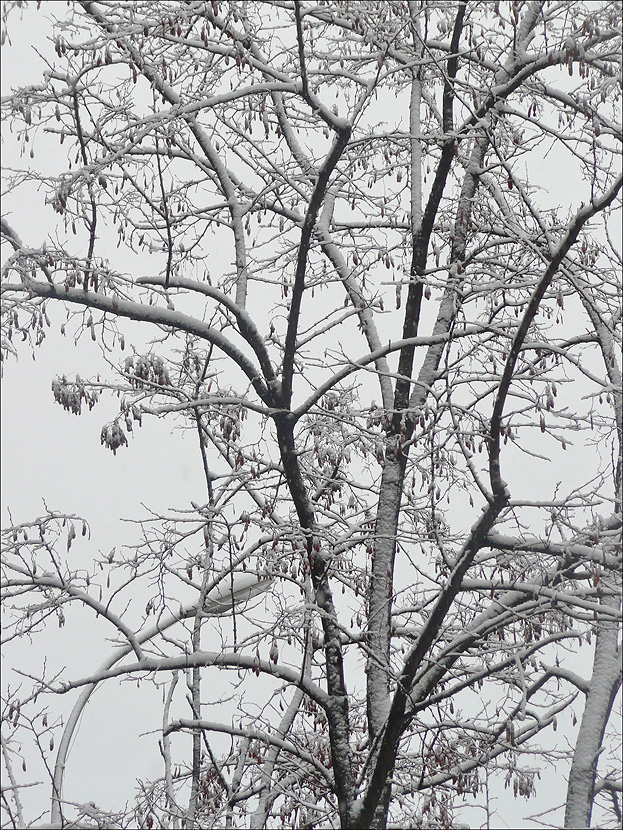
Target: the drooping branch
(253, 734)
(246, 325)
(149, 314)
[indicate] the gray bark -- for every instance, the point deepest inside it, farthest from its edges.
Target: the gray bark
(602, 691)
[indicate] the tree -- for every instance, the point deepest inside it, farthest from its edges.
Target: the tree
(374, 244)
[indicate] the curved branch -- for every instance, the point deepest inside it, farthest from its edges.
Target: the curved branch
(246, 326)
(102, 610)
(253, 734)
(149, 314)
(200, 659)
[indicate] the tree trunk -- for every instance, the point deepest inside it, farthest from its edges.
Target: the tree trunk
(604, 686)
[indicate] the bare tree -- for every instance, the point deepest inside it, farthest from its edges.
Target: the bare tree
(382, 320)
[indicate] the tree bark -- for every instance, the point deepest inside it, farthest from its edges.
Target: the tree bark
(603, 688)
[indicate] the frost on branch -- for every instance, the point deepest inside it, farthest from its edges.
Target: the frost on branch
(71, 394)
(113, 436)
(143, 370)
